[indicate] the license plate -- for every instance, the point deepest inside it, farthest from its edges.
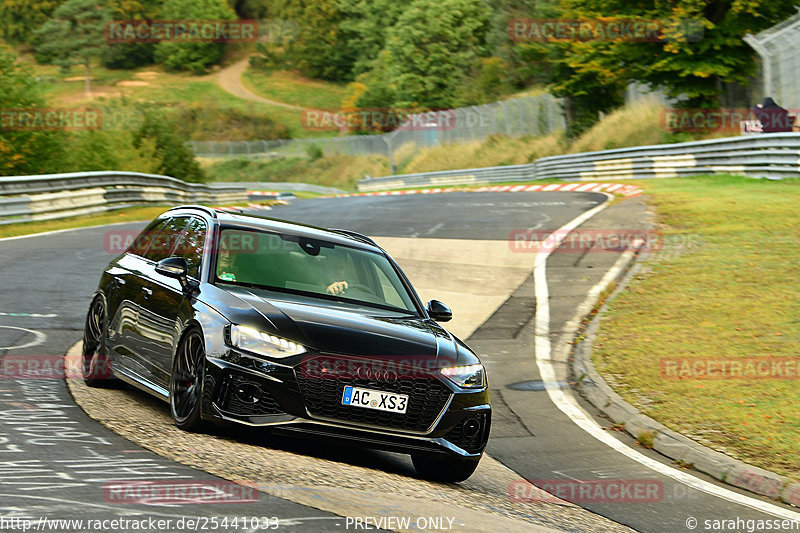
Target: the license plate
(375, 399)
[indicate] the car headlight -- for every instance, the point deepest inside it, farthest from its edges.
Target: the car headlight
(263, 343)
(468, 377)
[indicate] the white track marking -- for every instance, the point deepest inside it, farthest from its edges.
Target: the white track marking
(29, 315)
(55, 232)
(567, 404)
(40, 338)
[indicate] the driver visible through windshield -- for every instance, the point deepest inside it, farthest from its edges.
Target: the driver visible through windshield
(311, 267)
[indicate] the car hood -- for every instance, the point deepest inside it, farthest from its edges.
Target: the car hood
(336, 329)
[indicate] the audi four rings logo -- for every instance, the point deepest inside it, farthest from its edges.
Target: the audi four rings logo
(379, 375)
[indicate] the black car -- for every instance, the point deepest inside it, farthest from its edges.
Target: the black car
(237, 318)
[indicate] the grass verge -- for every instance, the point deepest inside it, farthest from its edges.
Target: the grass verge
(342, 171)
(287, 87)
(724, 288)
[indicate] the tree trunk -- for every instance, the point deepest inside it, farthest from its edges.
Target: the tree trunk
(569, 112)
(88, 75)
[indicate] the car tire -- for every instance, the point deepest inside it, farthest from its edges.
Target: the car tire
(95, 364)
(444, 469)
(186, 382)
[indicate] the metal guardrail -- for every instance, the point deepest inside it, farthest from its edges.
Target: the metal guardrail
(52, 196)
(774, 156)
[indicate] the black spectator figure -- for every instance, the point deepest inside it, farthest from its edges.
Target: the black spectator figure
(773, 118)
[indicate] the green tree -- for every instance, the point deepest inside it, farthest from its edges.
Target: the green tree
(587, 90)
(24, 152)
(21, 17)
(319, 49)
(197, 56)
(131, 55)
(518, 69)
(365, 25)
(433, 50)
(689, 69)
(253, 9)
(75, 35)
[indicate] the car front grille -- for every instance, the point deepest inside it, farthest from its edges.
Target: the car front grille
(427, 397)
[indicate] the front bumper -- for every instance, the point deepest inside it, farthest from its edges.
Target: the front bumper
(248, 391)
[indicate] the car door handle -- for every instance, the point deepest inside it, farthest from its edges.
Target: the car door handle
(147, 292)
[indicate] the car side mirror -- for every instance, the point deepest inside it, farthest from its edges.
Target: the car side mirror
(438, 311)
(175, 267)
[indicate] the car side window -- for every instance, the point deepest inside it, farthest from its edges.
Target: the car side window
(161, 245)
(142, 242)
(190, 245)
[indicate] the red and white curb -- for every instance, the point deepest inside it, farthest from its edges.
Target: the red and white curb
(251, 206)
(616, 188)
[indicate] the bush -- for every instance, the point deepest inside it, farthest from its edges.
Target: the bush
(208, 122)
(110, 150)
(21, 151)
(177, 159)
(128, 56)
(314, 151)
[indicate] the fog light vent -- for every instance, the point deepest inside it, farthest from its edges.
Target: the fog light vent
(471, 427)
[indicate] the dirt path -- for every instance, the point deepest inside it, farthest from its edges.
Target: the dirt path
(230, 79)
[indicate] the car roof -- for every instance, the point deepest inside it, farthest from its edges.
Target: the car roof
(244, 220)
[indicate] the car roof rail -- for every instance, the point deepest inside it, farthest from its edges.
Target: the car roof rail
(357, 236)
(207, 209)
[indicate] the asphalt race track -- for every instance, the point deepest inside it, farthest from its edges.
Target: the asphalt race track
(56, 462)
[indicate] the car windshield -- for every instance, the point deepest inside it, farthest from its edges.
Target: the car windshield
(310, 267)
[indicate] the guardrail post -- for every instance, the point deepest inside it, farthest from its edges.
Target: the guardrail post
(389, 152)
